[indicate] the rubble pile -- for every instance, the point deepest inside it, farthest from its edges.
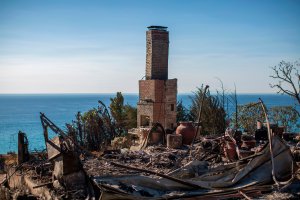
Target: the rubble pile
(219, 167)
(155, 158)
(195, 178)
(34, 179)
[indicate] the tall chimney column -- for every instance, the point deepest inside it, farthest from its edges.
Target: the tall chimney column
(157, 94)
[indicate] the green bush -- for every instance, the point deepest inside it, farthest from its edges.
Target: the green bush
(213, 113)
(97, 127)
(286, 116)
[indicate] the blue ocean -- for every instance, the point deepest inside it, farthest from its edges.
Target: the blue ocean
(21, 112)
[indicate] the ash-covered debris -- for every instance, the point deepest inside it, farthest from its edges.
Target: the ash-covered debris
(153, 166)
(155, 158)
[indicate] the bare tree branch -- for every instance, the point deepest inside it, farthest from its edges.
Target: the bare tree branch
(288, 73)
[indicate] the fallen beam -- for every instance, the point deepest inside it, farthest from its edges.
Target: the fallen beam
(42, 185)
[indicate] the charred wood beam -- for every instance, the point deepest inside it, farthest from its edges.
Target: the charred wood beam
(23, 154)
(46, 122)
(42, 185)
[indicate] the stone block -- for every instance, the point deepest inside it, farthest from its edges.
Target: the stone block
(66, 163)
(174, 141)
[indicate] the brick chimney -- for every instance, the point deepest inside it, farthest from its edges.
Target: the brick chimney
(157, 94)
(157, 53)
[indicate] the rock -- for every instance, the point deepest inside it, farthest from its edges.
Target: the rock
(57, 185)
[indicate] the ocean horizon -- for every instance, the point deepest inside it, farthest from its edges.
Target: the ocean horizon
(21, 111)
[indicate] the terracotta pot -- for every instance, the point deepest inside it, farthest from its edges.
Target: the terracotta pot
(156, 137)
(187, 130)
(259, 125)
(230, 150)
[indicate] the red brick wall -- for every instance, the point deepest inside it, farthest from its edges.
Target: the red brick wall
(152, 89)
(162, 95)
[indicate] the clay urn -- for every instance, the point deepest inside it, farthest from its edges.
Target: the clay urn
(187, 130)
(156, 137)
(230, 150)
(258, 125)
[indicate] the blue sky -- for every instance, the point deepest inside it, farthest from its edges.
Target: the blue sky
(70, 46)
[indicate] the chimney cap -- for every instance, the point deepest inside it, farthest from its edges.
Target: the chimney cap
(160, 28)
